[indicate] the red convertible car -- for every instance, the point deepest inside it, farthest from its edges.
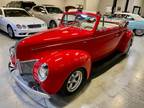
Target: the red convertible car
(59, 60)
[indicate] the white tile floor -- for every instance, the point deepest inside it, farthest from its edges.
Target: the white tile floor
(120, 86)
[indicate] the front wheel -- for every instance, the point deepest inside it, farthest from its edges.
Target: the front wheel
(10, 32)
(139, 32)
(52, 24)
(74, 82)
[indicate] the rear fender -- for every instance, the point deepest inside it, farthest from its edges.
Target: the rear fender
(60, 65)
(122, 46)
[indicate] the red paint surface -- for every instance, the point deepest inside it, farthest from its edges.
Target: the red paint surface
(65, 49)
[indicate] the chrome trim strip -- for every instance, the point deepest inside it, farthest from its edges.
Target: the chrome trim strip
(74, 41)
(26, 61)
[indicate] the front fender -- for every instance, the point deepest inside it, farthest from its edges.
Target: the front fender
(61, 64)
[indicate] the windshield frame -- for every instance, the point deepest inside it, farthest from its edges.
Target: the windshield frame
(4, 11)
(94, 15)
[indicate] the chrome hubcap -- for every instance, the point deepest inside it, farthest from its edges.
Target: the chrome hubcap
(74, 81)
(139, 32)
(10, 32)
(52, 25)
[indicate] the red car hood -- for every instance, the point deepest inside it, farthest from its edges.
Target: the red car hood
(30, 47)
(55, 36)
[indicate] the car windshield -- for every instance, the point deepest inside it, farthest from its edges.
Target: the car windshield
(137, 17)
(54, 10)
(81, 21)
(28, 5)
(16, 13)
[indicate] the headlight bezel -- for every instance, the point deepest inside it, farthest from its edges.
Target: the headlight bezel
(43, 72)
(19, 26)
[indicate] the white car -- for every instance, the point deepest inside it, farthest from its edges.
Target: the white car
(136, 22)
(19, 23)
(48, 13)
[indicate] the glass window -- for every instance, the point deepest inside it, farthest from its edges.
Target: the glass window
(128, 17)
(28, 5)
(54, 10)
(81, 21)
(40, 9)
(16, 13)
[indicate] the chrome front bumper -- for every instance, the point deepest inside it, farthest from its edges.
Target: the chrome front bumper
(19, 71)
(24, 84)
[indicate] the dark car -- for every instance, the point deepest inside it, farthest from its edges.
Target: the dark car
(27, 5)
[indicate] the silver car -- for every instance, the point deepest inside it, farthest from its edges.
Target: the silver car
(48, 13)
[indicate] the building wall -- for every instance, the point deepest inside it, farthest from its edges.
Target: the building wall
(103, 4)
(74, 2)
(92, 5)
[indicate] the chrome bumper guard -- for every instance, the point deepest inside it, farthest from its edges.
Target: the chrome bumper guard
(24, 85)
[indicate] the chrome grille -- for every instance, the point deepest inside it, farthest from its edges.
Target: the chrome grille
(34, 26)
(27, 67)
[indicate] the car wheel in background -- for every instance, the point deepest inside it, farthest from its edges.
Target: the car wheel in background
(52, 24)
(128, 47)
(74, 82)
(139, 32)
(10, 31)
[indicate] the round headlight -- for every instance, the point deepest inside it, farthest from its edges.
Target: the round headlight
(43, 72)
(19, 26)
(23, 26)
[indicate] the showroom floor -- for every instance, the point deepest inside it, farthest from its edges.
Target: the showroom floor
(117, 83)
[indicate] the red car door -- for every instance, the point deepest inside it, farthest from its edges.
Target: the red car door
(104, 42)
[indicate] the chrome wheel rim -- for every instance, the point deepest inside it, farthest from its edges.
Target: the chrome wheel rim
(139, 32)
(10, 32)
(74, 81)
(11, 67)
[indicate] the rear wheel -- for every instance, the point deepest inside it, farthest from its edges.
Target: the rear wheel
(52, 24)
(10, 31)
(74, 82)
(139, 32)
